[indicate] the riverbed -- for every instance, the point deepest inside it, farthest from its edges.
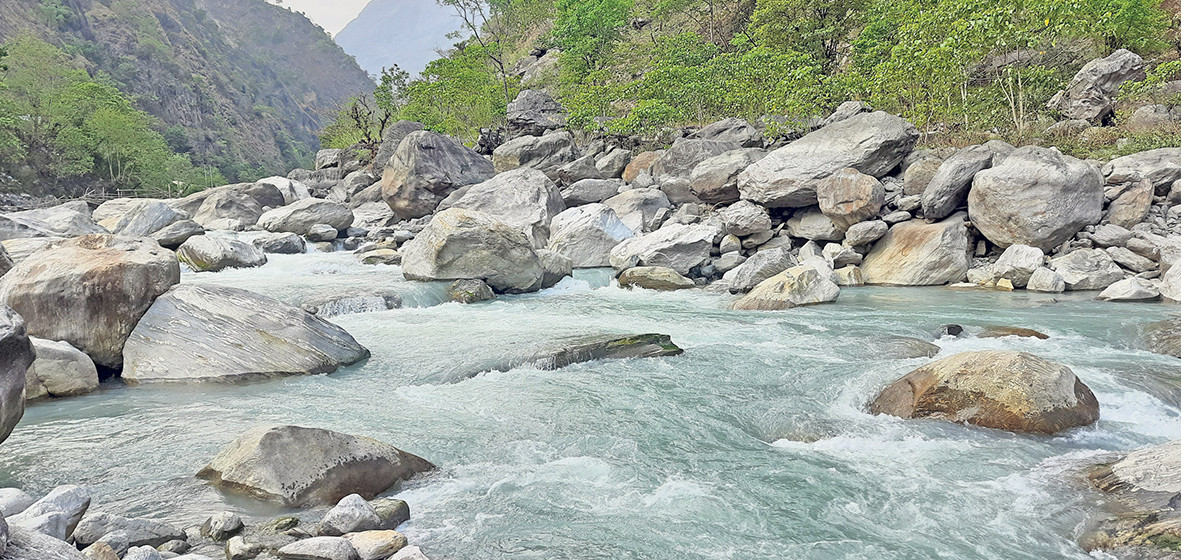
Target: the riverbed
(754, 443)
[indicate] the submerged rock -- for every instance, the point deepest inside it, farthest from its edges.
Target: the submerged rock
(1013, 391)
(903, 347)
(603, 348)
(997, 331)
(303, 467)
(197, 332)
(654, 278)
(90, 291)
(1164, 337)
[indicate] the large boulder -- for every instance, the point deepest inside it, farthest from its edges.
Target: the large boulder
(463, 244)
(1087, 269)
(534, 112)
(638, 207)
(1130, 289)
(304, 467)
(676, 246)
(525, 199)
(1132, 205)
(590, 191)
(1161, 167)
(228, 210)
(291, 190)
(673, 171)
(1037, 197)
(1091, 94)
(658, 278)
(714, 180)
(545, 153)
(425, 168)
(848, 197)
(392, 137)
(1142, 513)
(174, 235)
(90, 291)
(744, 218)
(1013, 391)
(59, 370)
(299, 217)
(65, 220)
(947, 189)
(801, 285)
(197, 332)
(732, 130)
(63, 506)
(916, 253)
(142, 218)
(212, 253)
(141, 532)
(266, 195)
(872, 143)
(24, 544)
(18, 355)
(587, 234)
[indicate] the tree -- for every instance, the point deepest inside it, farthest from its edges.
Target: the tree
(814, 26)
(484, 31)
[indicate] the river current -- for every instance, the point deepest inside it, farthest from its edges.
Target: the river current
(753, 444)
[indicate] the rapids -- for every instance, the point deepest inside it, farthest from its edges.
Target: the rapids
(752, 444)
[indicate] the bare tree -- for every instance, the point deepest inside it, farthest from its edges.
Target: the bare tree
(484, 30)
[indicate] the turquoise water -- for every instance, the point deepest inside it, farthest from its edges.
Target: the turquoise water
(752, 444)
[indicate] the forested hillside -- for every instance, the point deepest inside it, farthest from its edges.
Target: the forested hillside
(954, 68)
(206, 92)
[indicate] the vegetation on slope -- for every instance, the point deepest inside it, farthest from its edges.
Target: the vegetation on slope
(954, 68)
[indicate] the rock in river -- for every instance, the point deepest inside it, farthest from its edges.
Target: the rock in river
(299, 217)
(464, 244)
(654, 278)
(587, 234)
(197, 332)
(603, 348)
(141, 532)
(425, 168)
(1013, 391)
(29, 545)
(1144, 488)
(18, 355)
(919, 254)
(212, 253)
(794, 287)
(60, 370)
(90, 291)
(525, 199)
(302, 467)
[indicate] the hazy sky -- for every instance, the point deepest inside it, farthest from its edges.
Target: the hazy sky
(332, 15)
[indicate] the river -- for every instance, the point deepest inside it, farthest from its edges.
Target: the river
(754, 443)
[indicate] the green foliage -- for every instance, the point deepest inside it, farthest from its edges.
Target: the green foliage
(363, 119)
(53, 12)
(1152, 89)
(57, 123)
(437, 98)
(585, 31)
(814, 26)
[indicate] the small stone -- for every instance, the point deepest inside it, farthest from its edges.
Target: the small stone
(470, 291)
(654, 278)
(377, 545)
(391, 511)
(350, 515)
(238, 549)
(100, 551)
(319, 548)
(221, 526)
(1045, 280)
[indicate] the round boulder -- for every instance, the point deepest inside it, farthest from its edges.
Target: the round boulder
(463, 244)
(1014, 391)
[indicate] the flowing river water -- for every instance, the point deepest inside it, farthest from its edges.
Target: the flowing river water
(754, 443)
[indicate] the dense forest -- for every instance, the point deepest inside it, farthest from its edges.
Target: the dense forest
(957, 69)
(161, 97)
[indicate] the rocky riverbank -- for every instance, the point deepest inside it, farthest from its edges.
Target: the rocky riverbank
(91, 293)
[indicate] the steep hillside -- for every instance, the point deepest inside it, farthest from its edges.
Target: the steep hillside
(242, 85)
(404, 32)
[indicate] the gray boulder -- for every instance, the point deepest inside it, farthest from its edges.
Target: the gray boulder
(18, 353)
(846, 110)
(299, 217)
(265, 195)
(759, 267)
(30, 545)
(920, 254)
(798, 286)
(222, 526)
(545, 153)
(144, 217)
(350, 515)
(1036, 197)
(555, 267)
(1130, 289)
(291, 190)
(425, 168)
(714, 180)
(612, 164)
(947, 189)
(1046, 280)
(463, 244)
(524, 199)
(637, 207)
(863, 233)
(815, 226)
(14, 501)
(534, 112)
(654, 278)
(90, 291)
(587, 234)
(69, 501)
(174, 235)
(280, 243)
(734, 131)
(1091, 94)
(196, 333)
(65, 220)
(848, 197)
(589, 191)
(872, 143)
(744, 218)
(377, 545)
(302, 467)
(578, 170)
(319, 548)
(1018, 263)
(1172, 283)
(683, 156)
(212, 253)
(228, 210)
(1162, 167)
(60, 370)
(392, 137)
(676, 246)
(140, 532)
(1087, 269)
(600, 347)
(1132, 205)
(918, 175)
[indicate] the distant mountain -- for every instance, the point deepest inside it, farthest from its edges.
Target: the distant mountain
(243, 84)
(404, 32)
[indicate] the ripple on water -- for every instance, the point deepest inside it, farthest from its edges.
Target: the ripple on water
(753, 444)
